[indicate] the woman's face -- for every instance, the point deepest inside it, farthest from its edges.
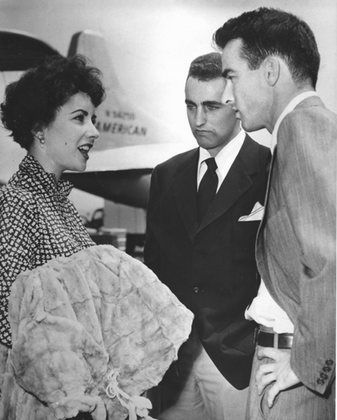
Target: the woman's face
(70, 136)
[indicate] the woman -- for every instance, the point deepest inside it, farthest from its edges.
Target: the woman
(69, 339)
(50, 112)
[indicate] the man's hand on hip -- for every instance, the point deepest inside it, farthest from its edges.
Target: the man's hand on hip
(277, 371)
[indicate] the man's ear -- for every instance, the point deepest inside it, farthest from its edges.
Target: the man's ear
(272, 69)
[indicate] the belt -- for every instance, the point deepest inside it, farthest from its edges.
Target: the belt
(278, 341)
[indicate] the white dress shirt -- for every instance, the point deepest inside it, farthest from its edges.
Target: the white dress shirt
(263, 309)
(224, 159)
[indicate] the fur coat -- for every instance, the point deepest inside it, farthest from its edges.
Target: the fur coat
(91, 332)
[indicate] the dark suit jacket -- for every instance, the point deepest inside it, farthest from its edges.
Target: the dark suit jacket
(211, 268)
(296, 248)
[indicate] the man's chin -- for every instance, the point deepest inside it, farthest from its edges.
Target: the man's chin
(247, 126)
(203, 141)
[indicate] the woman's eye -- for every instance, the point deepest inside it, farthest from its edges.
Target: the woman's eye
(94, 119)
(79, 117)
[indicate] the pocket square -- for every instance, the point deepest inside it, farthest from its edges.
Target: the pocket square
(256, 214)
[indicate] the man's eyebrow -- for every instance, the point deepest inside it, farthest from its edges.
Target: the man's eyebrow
(212, 103)
(207, 103)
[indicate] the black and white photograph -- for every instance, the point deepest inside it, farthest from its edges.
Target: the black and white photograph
(168, 209)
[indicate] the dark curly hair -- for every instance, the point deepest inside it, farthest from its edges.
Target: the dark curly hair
(206, 67)
(33, 100)
(267, 31)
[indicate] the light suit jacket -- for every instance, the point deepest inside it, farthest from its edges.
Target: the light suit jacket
(296, 246)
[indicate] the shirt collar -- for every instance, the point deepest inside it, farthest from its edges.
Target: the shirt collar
(290, 107)
(44, 181)
(231, 148)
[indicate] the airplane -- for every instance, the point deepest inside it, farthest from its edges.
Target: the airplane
(131, 141)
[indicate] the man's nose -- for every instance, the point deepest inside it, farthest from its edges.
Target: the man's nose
(227, 96)
(200, 116)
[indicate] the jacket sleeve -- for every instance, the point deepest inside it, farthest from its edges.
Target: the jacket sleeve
(18, 239)
(152, 248)
(309, 190)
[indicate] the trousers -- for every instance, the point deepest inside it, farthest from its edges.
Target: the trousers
(207, 395)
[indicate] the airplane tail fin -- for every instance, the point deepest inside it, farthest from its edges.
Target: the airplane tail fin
(92, 45)
(120, 122)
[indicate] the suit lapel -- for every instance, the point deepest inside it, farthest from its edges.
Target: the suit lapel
(236, 183)
(185, 192)
(270, 175)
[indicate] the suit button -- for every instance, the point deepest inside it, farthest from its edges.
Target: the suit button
(326, 368)
(320, 381)
(196, 289)
(323, 375)
(329, 362)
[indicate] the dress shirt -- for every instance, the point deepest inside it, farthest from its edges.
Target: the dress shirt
(37, 223)
(263, 309)
(224, 159)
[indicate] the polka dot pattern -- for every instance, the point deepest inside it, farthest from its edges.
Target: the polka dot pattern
(37, 223)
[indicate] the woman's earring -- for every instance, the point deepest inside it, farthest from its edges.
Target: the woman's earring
(40, 137)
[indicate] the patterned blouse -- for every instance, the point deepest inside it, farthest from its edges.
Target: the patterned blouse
(37, 223)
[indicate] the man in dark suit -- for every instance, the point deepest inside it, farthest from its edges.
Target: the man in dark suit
(203, 216)
(271, 60)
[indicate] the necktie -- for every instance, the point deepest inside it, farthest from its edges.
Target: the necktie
(207, 188)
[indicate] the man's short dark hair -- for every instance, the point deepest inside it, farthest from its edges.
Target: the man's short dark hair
(206, 67)
(268, 31)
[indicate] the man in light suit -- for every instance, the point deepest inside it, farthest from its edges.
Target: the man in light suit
(203, 248)
(271, 61)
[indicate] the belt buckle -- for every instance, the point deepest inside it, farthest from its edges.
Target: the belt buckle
(275, 341)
